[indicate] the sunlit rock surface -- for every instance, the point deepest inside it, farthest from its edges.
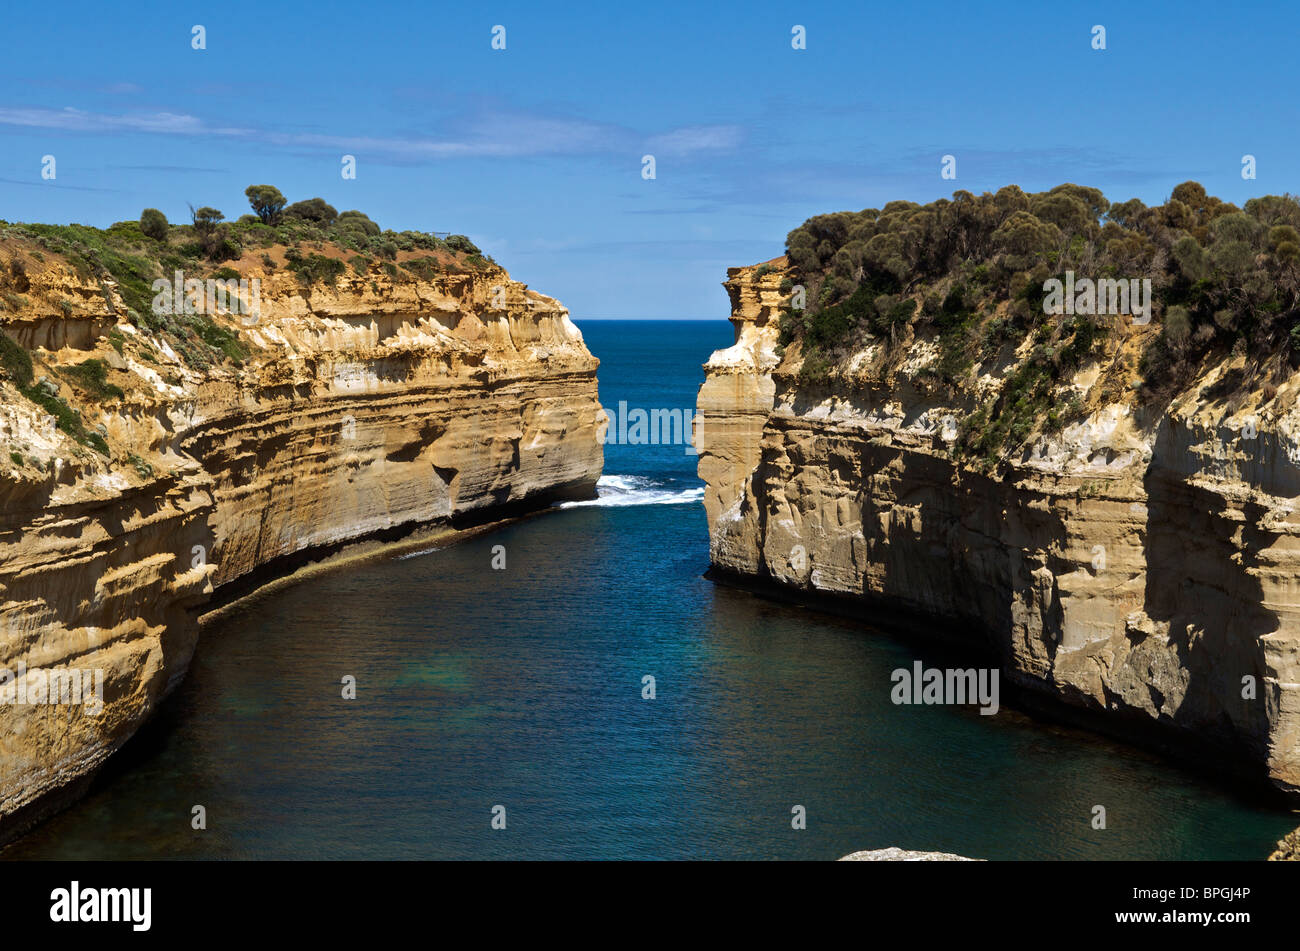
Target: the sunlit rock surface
(1141, 566)
(363, 410)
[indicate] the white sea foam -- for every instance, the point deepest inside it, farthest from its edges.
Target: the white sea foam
(614, 490)
(417, 554)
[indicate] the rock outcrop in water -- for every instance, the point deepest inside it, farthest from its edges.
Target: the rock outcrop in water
(1288, 848)
(1138, 565)
(358, 408)
(895, 854)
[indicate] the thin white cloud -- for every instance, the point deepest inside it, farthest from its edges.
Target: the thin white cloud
(78, 120)
(698, 138)
(497, 135)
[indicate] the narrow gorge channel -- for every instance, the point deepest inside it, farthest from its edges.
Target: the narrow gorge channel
(522, 687)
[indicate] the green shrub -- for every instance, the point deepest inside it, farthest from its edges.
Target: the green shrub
(16, 362)
(815, 367)
(423, 268)
(143, 468)
(315, 210)
(219, 338)
(359, 221)
(384, 248)
(66, 418)
(266, 201)
(315, 268)
(92, 377)
(1223, 277)
(1177, 325)
(891, 315)
(461, 244)
(153, 224)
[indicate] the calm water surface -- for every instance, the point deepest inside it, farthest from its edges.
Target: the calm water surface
(523, 688)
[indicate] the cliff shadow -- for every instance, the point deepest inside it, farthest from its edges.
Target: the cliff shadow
(1200, 582)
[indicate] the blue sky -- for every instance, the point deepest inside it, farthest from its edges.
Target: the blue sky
(535, 151)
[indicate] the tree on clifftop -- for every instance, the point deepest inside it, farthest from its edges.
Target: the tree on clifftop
(267, 202)
(153, 224)
(358, 220)
(206, 220)
(316, 210)
(213, 236)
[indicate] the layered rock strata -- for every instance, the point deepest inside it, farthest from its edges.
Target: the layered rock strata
(360, 409)
(1139, 566)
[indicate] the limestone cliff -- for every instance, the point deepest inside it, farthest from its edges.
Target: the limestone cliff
(137, 480)
(1138, 564)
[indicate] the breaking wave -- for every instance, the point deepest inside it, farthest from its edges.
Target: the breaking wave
(638, 490)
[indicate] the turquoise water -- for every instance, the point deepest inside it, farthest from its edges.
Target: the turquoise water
(522, 688)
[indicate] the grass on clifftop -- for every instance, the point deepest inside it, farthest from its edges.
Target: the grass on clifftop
(314, 241)
(133, 254)
(968, 274)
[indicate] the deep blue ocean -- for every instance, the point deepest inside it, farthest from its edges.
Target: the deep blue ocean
(522, 688)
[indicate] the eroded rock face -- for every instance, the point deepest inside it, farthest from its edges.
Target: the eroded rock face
(1288, 848)
(364, 409)
(1144, 569)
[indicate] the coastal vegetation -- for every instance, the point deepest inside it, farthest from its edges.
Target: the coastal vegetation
(309, 238)
(969, 275)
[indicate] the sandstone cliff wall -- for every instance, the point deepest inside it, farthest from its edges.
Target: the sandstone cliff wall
(1142, 567)
(360, 409)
